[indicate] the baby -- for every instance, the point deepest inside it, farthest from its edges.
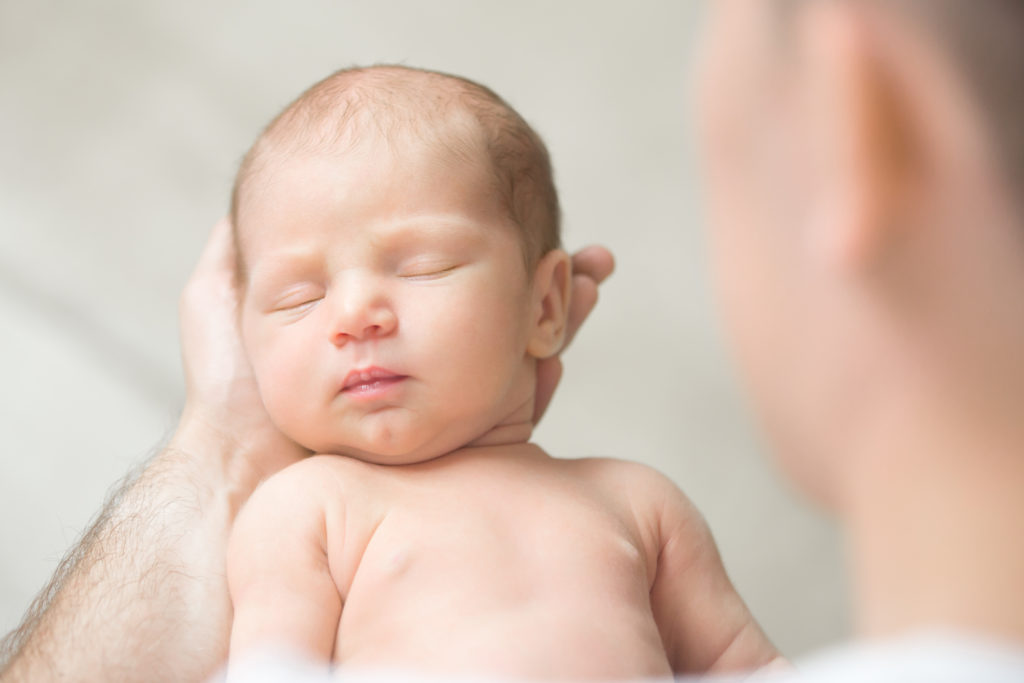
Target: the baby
(398, 240)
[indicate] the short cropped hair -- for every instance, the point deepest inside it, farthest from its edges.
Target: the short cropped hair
(985, 39)
(464, 117)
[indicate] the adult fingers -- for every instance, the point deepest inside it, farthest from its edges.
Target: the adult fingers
(594, 261)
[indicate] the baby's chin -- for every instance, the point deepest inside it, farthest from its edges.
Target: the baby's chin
(394, 457)
(394, 448)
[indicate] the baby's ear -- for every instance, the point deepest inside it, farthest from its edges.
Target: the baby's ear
(552, 284)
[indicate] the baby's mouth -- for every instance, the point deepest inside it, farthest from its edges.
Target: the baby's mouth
(370, 380)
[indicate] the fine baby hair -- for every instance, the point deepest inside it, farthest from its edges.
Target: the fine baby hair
(403, 103)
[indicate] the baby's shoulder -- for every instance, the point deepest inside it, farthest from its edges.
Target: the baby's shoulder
(317, 477)
(329, 493)
(645, 490)
(623, 476)
(638, 494)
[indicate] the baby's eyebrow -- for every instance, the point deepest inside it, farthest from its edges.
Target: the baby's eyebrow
(287, 262)
(387, 241)
(427, 228)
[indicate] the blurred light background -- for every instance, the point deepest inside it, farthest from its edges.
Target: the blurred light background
(121, 124)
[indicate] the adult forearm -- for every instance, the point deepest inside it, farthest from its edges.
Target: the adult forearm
(142, 597)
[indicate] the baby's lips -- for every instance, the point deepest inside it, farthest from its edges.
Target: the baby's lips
(370, 375)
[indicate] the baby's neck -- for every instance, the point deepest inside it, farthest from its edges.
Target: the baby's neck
(515, 429)
(504, 435)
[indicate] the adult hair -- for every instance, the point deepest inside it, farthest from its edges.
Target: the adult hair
(985, 39)
(395, 102)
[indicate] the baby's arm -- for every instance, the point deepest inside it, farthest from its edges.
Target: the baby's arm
(704, 624)
(281, 587)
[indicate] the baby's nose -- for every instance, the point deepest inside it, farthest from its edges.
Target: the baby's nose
(362, 315)
(340, 338)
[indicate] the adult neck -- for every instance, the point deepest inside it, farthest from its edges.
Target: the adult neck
(934, 510)
(930, 484)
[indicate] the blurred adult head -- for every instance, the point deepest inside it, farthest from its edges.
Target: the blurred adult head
(863, 161)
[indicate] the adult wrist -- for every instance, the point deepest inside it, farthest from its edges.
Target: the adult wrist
(234, 461)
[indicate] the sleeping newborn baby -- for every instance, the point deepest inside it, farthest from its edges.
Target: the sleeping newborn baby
(398, 241)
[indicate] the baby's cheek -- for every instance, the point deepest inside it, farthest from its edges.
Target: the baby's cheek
(487, 331)
(278, 374)
(492, 351)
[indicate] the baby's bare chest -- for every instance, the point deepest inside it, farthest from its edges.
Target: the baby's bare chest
(491, 538)
(497, 566)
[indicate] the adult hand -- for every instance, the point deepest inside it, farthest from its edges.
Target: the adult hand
(143, 597)
(590, 267)
(222, 400)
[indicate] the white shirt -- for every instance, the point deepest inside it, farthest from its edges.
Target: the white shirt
(932, 657)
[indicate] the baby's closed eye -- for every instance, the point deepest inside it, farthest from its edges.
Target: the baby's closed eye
(427, 268)
(298, 298)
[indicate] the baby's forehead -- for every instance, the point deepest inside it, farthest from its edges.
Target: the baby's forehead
(410, 196)
(369, 165)
(452, 138)
(409, 112)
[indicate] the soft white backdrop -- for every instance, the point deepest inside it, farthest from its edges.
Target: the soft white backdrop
(120, 128)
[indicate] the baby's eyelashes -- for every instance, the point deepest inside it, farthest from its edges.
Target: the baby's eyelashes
(300, 308)
(297, 299)
(426, 271)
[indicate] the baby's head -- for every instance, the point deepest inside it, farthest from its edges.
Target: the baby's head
(397, 233)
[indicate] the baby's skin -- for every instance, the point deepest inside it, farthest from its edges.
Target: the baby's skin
(394, 312)
(495, 559)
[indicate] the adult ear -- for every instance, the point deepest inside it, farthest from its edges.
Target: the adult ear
(552, 283)
(859, 130)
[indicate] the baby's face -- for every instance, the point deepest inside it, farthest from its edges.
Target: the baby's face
(387, 304)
